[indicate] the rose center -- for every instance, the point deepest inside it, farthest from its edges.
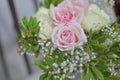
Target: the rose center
(64, 16)
(67, 36)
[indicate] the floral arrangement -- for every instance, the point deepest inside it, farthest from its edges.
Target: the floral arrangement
(72, 36)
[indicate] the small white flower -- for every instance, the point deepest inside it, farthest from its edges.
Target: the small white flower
(55, 65)
(58, 71)
(65, 70)
(81, 65)
(47, 66)
(77, 57)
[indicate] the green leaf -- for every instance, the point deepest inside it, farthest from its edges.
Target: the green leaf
(91, 76)
(25, 22)
(102, 67)
(22, 27)
(90, 34)
(117, 61)
(49, 60)
(87, 77)
(115, 47)
(47, 3)
(97, 73)
(85, 71)
(113, 78)
(89, 51)
(56, 2)
(55, 78)
(106, 73)
(49, 77)
(42, 77)
(117, 27)
(41, 65)
(100, 48)
(112, 55)
(87, 74)
(18, 36)
(101, 39)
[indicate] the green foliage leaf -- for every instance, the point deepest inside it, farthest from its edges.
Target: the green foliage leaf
(106, 73)
(113, 78)
(47, 3)
(25, 22)
(90, 34)
(85, 71)
(49, 77)
(18, 36)
(101, 39)
(46, 76)
(115, 48)
(117, 27)
(87, 74)
(97, 73)
(49, 60)
(111, 55)
(56, 2)
(22, 27)
(89, 51)
(100, 48)
(42, 77)
(103, 67)
(41, 65)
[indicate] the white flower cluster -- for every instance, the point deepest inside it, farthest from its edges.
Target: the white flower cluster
(74, 63)
(110, 31)
(108, 2)
(112, 67)
(46, 47)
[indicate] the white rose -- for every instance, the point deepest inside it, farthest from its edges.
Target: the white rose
(95, 18)
(45, 23)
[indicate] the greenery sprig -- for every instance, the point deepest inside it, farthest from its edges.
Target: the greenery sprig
(54, 2)
(28, 40)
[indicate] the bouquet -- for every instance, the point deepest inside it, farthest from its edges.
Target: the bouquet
(72, 36)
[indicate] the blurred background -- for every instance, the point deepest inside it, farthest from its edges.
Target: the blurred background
(12, 65)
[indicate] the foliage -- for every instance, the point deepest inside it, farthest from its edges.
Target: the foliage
(47, 65)
(47, 3)
(28, 38)
(98, 68)
(113, 78)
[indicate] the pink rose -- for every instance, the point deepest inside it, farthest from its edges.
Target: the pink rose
(69, 36)
(69, 11)
(82, 3)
